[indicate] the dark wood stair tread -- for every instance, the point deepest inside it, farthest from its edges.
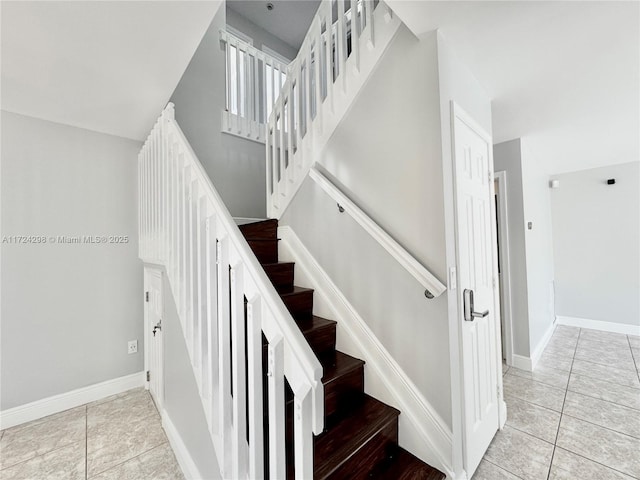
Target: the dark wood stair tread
(345, 436)
(299, 301)
(320, 334)
(402, 465)
(337, 364)
(281, 275)
(264, 228)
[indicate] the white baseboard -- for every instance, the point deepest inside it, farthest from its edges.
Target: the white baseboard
(529, 363)
(539, 350)
(422, 430)
(599, 325)
(521, 362)
(188, 466)
(64, 401)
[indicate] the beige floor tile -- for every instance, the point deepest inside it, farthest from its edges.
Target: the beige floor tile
(117, 442)
(521, 454)
(52, 433)
(78, 411)
(566, 331)
(609, 338)
(611, 449)
(606, 414)
(532, 419)
(634, 341)
(628, 378)
(488, 471)
(66, 463)
(533, 392)
(569, 466)
(122, 410)
(620, 358)
(156, 464)
(542, 374)
(611, 392)
(556, 362)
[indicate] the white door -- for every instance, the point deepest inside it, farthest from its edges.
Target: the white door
(154, 345)
(479, 317)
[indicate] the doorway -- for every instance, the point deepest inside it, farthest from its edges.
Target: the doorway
(504, 265)
(477, 292)
(154, 345)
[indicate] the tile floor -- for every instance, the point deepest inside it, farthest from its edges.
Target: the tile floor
(117, 438)
(577, 417)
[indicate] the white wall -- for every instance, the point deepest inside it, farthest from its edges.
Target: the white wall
(387, 160)
(456, 84)
(507, 157)
(68, 310)
(596, 242)
(236, 166)
(539, 246)
(182, 402)
(259, 35)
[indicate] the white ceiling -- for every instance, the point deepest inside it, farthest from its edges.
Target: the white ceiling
(105, 66)
(289, 20)
(563, 75)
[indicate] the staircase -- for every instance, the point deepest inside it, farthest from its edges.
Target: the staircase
(360, 437)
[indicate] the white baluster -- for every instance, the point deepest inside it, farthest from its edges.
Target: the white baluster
(189, 262)
(355, 35)
(203, 323)
(283, 181)
(318, 73)
(238, 362)
(238, 95)
(329, 62)
(275, 374)
(254, 371)
(196, 287)
(303, 435)
(211, 375)
(224, 357)
(341, 42)
(368, 5)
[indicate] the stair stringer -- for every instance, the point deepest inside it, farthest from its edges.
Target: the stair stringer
(331, 111)
(421, 429)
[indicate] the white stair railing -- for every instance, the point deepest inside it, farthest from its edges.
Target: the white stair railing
(226, 304)
(254, 79)
(338, 54)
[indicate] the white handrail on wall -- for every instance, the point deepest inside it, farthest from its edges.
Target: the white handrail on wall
(433, 286)
(337, 55)
(214, 275)
(254, 79)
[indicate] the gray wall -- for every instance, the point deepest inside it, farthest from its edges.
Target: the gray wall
(388, 161)
(539, 245)
(182, 399)
(259, 35)
(236, 166)
(507, 157)
(596, 242)
(67, 310)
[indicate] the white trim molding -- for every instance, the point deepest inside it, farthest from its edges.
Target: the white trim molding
(184, 458)
(599, 325)
(428, 280)
(422, 431)
(539, 349)
(64, 401)
(529, 363)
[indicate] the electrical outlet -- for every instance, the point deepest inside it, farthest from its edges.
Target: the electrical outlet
(132, 347)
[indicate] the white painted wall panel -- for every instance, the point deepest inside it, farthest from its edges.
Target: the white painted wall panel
(596, 242)
(68, 310)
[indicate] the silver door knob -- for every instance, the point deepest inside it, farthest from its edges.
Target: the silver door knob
(469, 312)
(157, 327)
